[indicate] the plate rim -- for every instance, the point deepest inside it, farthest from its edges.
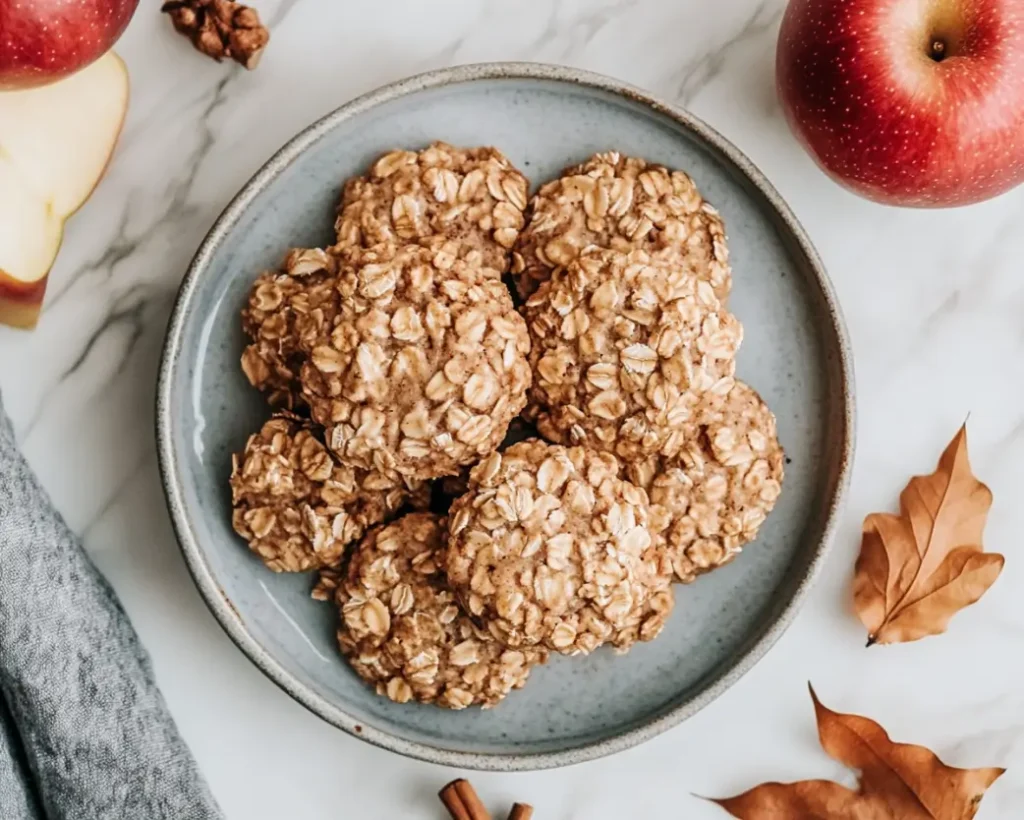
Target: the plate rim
(217, 601)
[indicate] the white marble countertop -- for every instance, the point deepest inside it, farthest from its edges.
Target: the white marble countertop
(935, 306)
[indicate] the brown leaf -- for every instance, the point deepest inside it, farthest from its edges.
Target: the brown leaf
(898, 781)
(919, 568)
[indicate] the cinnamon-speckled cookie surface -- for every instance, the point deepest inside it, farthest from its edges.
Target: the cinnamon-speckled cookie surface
(712, 496)
(549, 546)
(472, 195)
(623, 346)
(298, 508)
(614, 201)
(403, 631)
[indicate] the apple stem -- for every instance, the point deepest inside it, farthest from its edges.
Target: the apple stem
(938, 50)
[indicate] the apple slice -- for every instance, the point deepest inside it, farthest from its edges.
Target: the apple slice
(30, 235)
(30, 230)
(55, 143)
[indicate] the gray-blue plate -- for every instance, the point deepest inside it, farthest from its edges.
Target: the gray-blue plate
(795, 353)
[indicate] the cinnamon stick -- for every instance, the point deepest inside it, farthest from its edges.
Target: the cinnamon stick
(521, 811)
(450, 797)
(462, 801)
(471, 800)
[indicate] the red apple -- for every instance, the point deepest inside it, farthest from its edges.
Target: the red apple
(908, 102)
(44, 40)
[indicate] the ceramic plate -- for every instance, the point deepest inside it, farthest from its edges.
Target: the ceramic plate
(795, 353)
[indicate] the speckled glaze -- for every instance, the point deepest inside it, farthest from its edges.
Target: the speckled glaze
(795, 353)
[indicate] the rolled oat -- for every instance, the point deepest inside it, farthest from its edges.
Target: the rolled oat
(473, 195)
(711, 497)
(403, 631)
(618, 202)
(424, 366)
(298, 508)
(550, 547)
(283, 309)
(623, 346)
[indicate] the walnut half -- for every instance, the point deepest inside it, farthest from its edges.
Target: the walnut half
(220, 28)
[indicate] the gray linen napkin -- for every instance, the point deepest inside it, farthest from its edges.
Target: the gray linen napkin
(84, 731)
(17, 798)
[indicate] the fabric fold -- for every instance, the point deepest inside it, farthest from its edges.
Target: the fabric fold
(18, 800)
(97, 737)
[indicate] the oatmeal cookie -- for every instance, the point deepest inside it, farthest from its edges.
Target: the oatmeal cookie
(713, 495)
(622, 347)
(402, 630)
(550, 547)
(473, 195)
(284, 307)
(618, 202)
(298, 508)
(447, 489)
(424, 366)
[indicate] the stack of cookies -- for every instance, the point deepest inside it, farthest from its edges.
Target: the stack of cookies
(461, 552)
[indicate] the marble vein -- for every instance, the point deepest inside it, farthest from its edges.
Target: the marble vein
(115, 496)
(698, 72)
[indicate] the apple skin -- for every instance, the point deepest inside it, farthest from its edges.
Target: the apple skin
(21, 302)
(42, 41)
(895, 117)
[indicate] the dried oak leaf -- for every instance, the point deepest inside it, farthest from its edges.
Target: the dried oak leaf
(919, 568)
(898, 781)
